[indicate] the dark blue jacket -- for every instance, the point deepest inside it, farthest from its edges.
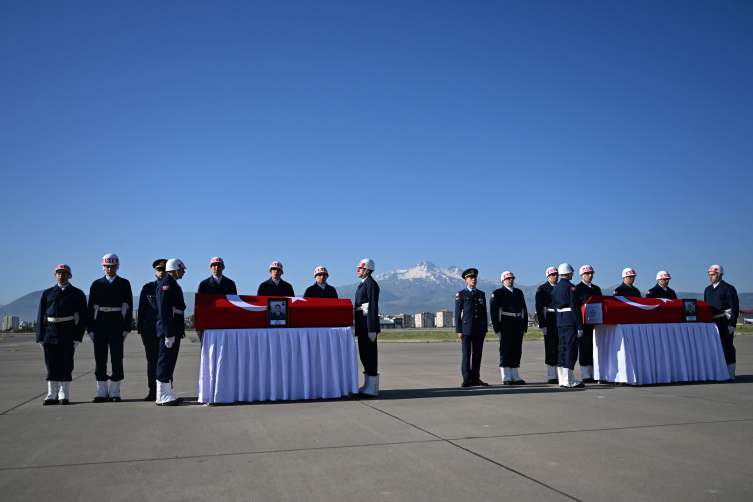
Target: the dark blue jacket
(721, 299)
(56, 302)
(316, 291)
(146, 324)
(658, 292)
(169, 296)
(278, 317)
(625, 290)
(210, 287)
(505, 301)
(367, 292)
(585, 293)
(113, 295)
(470, 313)
(565, 295)
(269, 288)
(544, 301)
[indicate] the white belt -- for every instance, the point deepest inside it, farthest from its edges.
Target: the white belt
(176, 311)
(511, 314)
(364, 308)
(110, 309)
(122, 309)
(718, 315)
(568, 309)
(551, 310)
(60, 319)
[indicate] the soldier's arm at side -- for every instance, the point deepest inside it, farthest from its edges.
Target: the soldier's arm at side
(372, 318)
(575, 306)
(494, 308)
(233, 289)
(83, 316)
(540, 309)
(735, 304)
(129, 312)
(525, 314)
(486, 317)
(90, 308)
(40, 318)
(458, 310)
(143, 301)
(165, 310)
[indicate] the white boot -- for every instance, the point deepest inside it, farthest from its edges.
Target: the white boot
(571, 380)
(561, 379)
(114, 395)
(65, 388)
(365, 383)
(102, 392)
(585, 373)
(506, 376)
(52, 393)
(731, 369)
(376, 385)
(160, 396)
(551, 373)
(371, 387)
(168, 398)
(515, 377)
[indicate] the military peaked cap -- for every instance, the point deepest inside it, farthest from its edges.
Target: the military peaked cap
(161, 263)
(471, 272)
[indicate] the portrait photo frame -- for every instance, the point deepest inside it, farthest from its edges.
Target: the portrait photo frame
(690, 310)
(276, 308)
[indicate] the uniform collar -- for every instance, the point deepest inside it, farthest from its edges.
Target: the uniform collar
(217, 280)
(589, 284)
(508, 288)
(110, 280)
(62, 288)
(322, 285)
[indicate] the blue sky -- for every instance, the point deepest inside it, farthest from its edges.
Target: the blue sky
(495, 135)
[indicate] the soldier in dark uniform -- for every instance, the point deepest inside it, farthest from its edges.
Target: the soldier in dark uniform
(218, 284)
(585, 290)
(471, 327)
(366, 314)
(510, 322)
(61, 323)
(569, 325)
(662, 289)
(321, 289)
(725, 307)
(170, 329)
(275, 286)
(278, 315)
(627, 288)
(146, 326)
(548, 323)
(110, 315)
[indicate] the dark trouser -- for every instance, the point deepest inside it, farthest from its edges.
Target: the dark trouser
(59, 360)
(551, 342)
(568, 349)
(586, 346)
(727, 340)
(166, 360)
(511, 344)
(470, 366)
(103, 340)
(368, 352)
(151, 346)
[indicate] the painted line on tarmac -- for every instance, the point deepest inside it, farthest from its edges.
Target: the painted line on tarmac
(42, 394)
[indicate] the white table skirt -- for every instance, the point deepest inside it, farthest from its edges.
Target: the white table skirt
(642, 354)
(277, 364)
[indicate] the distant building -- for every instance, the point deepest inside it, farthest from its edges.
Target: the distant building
(424, 320)
(385, 323)
(407, 320)
(444, 319)
(11, 322)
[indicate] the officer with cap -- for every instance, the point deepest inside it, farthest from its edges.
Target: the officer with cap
(146, 326)
(569, 326)
(471, 327)
(218, 284)
(725, 307)
(510, 322)
(275, 286)
(585, 290)
(662, 289)
(61, 323)
(627, 288)
(366, 314)
(321, 289)
(110, 315)
(548, 323)
(170, 329)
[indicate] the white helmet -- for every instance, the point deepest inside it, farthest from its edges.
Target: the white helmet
(320, 270)
(628, 272)
(217, 259)
(64, 268)
(367, 264)
(276, 264)
(550, 271)
(565, 268)
(717, 268)
(174, 264)
(110, 259)
(507, 275)
(662, 274)
(586, 269)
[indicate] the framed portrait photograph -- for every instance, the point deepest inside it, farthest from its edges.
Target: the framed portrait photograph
(277, 313)
(690, 310)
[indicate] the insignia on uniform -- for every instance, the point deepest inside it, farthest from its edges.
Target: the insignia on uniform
(165, 288)
(572, 288)
(457, 296)
(614, 292)
(492, 295)
(539, 289)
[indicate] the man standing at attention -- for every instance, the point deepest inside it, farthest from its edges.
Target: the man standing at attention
(275, 286)
(366, 315)
(471, 327)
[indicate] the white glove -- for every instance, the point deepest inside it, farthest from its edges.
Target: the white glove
(91, 336)
(731, 329)
(169, 342)
(75, 343)
(372, 337)
(125, 334)
(41, 344)
(580, 333)
(543, 330)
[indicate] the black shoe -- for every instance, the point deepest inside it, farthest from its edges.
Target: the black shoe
(151, 397)
(180, 400)
(63, 401)
(579, 386)
(479, 383)
(48, 402)
(171, 403)
(508, 383)
(466, 383)
(589, 380)
(99, 400)
(113, 399)
(519, 382)
(553, 381)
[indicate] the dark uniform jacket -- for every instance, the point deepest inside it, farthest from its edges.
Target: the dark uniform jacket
(146, 324)
(565, 295)
(105, 294)
(278, 316)
(269, 288)
(210, 287)
(723, 298)
(56, 302)
(625, 290)
(505, 301)
(470, 313)
(544, 301)
(316, 291)
(585, 293)
(658, 292)
(169, 296)
(367, 292)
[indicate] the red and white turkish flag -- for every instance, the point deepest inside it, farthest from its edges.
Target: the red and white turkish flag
(628, 310)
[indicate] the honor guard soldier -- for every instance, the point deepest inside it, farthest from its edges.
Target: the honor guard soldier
(146, 326)
(627, 288)
(569, 326)
(471, 326)
(275, 286)
(110, 315)
(548, 323)
(366, 316)
(216, 285)
(321, 289)
(510, 322)
(170, 329)
(662, 289)
(585, 290)
(61, 323)
(725, 307)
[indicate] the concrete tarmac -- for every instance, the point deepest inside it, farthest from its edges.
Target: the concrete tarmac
(423, 438)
